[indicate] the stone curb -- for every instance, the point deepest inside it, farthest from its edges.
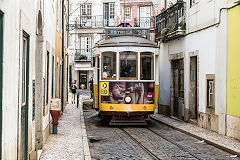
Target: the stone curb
(209, 141)
(86, 151)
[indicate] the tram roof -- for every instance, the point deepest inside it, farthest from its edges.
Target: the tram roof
(123, 41)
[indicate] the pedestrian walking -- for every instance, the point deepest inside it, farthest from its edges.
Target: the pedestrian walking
(73, 90)
(91, 86)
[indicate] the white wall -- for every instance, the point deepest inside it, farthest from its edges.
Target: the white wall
(205, 43)
(18, 17)
(49, 35)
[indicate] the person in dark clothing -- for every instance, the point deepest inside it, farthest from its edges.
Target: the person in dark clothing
(91, 86)
(73, 90)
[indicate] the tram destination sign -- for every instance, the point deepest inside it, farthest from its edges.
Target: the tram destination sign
(127, 31)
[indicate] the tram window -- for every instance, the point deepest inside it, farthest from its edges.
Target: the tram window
(109, 65)
(147, 64)
(128, 65)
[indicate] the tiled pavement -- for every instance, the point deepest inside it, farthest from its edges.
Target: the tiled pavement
(71, 141)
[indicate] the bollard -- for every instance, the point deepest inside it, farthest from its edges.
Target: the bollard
(77, 100)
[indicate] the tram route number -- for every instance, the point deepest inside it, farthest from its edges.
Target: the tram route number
(104, 88)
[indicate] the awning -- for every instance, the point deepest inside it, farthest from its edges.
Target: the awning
(84, 69)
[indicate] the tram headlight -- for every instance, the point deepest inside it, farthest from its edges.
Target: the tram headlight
(128, 99)
(144, 107)
(111, 107)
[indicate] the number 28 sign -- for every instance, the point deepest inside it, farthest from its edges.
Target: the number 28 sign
(104, 88)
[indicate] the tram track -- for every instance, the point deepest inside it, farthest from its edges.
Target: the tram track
(172, 141)
(176, 144)
(154, 157)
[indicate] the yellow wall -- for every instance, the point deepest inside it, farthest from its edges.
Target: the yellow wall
(58, 54)
(233, 62)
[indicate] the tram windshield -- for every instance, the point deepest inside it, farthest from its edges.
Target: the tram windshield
(147, 70)
(108, 65)
(128, 65)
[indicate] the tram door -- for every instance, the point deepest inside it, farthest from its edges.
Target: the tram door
(178, 88)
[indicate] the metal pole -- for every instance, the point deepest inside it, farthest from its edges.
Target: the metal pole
(77, 99)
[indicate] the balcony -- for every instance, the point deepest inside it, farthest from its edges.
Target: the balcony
(170, 24)
(101, 22)
(83, 54)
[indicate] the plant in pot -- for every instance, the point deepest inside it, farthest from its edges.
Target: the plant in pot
(82, 57)
(164, 34)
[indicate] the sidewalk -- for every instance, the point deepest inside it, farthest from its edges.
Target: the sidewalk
(71, 141)
(223, 142)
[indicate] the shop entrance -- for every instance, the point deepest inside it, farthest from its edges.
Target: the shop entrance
(83, 80)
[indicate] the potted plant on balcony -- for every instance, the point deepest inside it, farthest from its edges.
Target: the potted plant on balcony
(164, 34)
(82, 57)
(172, 30)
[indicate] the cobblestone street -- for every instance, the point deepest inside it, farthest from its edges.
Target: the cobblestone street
(162, 141)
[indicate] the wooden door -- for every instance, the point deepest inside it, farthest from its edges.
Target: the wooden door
(193, 88)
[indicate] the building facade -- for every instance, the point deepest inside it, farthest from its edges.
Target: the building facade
(233, 111)
(193, 36)
(88, 23)
(28, 52)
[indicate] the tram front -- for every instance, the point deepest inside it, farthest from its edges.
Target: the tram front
(126, 79)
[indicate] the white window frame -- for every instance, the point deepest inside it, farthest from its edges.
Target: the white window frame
(24, 68)
(87, 8)
(86, 41)
(111, 13)
(129, 14)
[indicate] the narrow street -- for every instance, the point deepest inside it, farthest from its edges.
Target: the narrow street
(155, 141)
(119, 79)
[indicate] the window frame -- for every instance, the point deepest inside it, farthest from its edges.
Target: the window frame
(88, 41)
(24, 67)
(111, 13)
(130, 13)
(87, 8)
(128, 78)
(152, 58)
(210, 77)
(102, 54)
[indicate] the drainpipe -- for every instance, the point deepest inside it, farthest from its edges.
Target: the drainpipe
(63, 78)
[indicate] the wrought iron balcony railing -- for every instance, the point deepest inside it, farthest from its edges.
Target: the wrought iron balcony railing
(83, 54)
(101, 21)
(170, 24)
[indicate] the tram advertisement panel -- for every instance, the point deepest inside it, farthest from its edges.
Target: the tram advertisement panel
(127, 92)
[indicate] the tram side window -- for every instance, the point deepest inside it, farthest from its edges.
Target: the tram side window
(147, 64)
(128, 65)
(109, 65)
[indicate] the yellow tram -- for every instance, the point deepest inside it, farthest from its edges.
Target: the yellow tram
(125, 78)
